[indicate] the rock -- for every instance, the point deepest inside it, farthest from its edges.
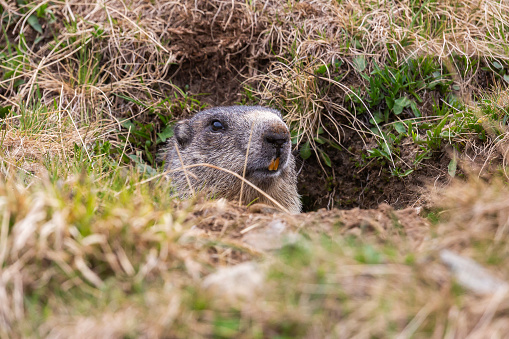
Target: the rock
(471, 275)
(263, 209)
(271, 237)
(239, 282)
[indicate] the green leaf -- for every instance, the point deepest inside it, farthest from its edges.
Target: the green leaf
(325, 158)
(34, 22)
(359, 63)
(127, 124)
(321, 70)
(18, 82)
(305, 151)
(9, 74)
(389, 101)
(398, 173)
(141, 134)
(400, 104)
(400, 127)
(386, 149)
(373, 153)
(414, 108)
(451, 168)
(142, 166)
(506, 77)
(4, 111)
(319, 140)
(366, 77)
(334, 144)
(375, 130)
(447, 134)
(497, 65)
(294, 135)
(407, 172)
(377, 118)
(166, 133)
(38, 39)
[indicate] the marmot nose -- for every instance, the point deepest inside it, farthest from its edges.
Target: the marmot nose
(277, 139)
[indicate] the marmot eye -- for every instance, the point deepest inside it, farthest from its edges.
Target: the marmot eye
(216, 126)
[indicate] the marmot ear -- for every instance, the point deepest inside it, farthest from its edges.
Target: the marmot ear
(183, 132)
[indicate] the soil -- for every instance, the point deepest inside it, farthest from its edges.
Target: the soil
(261, 228)
(216, 53)
(211, 80)
(354, 181)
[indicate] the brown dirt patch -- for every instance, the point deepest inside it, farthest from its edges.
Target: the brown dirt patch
(354, 181)
(216, 48)
(225, 221)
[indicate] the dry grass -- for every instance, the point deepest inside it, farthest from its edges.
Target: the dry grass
(370, 33)
(119, 262)
(107, 49)
(112, 61)
(29, 149)
(70, 241)
(105, 53)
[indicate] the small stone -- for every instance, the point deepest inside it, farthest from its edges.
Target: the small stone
(271, 237)
(263, 209)
(471, 275)
(239, 282)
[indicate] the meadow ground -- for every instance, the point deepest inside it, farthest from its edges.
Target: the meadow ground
(398, 112)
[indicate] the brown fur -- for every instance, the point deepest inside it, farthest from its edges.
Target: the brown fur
(198, 142)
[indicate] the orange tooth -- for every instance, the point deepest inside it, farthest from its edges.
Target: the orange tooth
(274, 164)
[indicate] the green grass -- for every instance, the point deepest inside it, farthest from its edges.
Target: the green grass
(417, 99)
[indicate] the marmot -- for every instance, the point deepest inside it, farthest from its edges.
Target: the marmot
(220, 136)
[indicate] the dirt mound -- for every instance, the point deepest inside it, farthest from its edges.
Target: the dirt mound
(263, 228)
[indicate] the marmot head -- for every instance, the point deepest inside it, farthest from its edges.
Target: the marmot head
(221, 136)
